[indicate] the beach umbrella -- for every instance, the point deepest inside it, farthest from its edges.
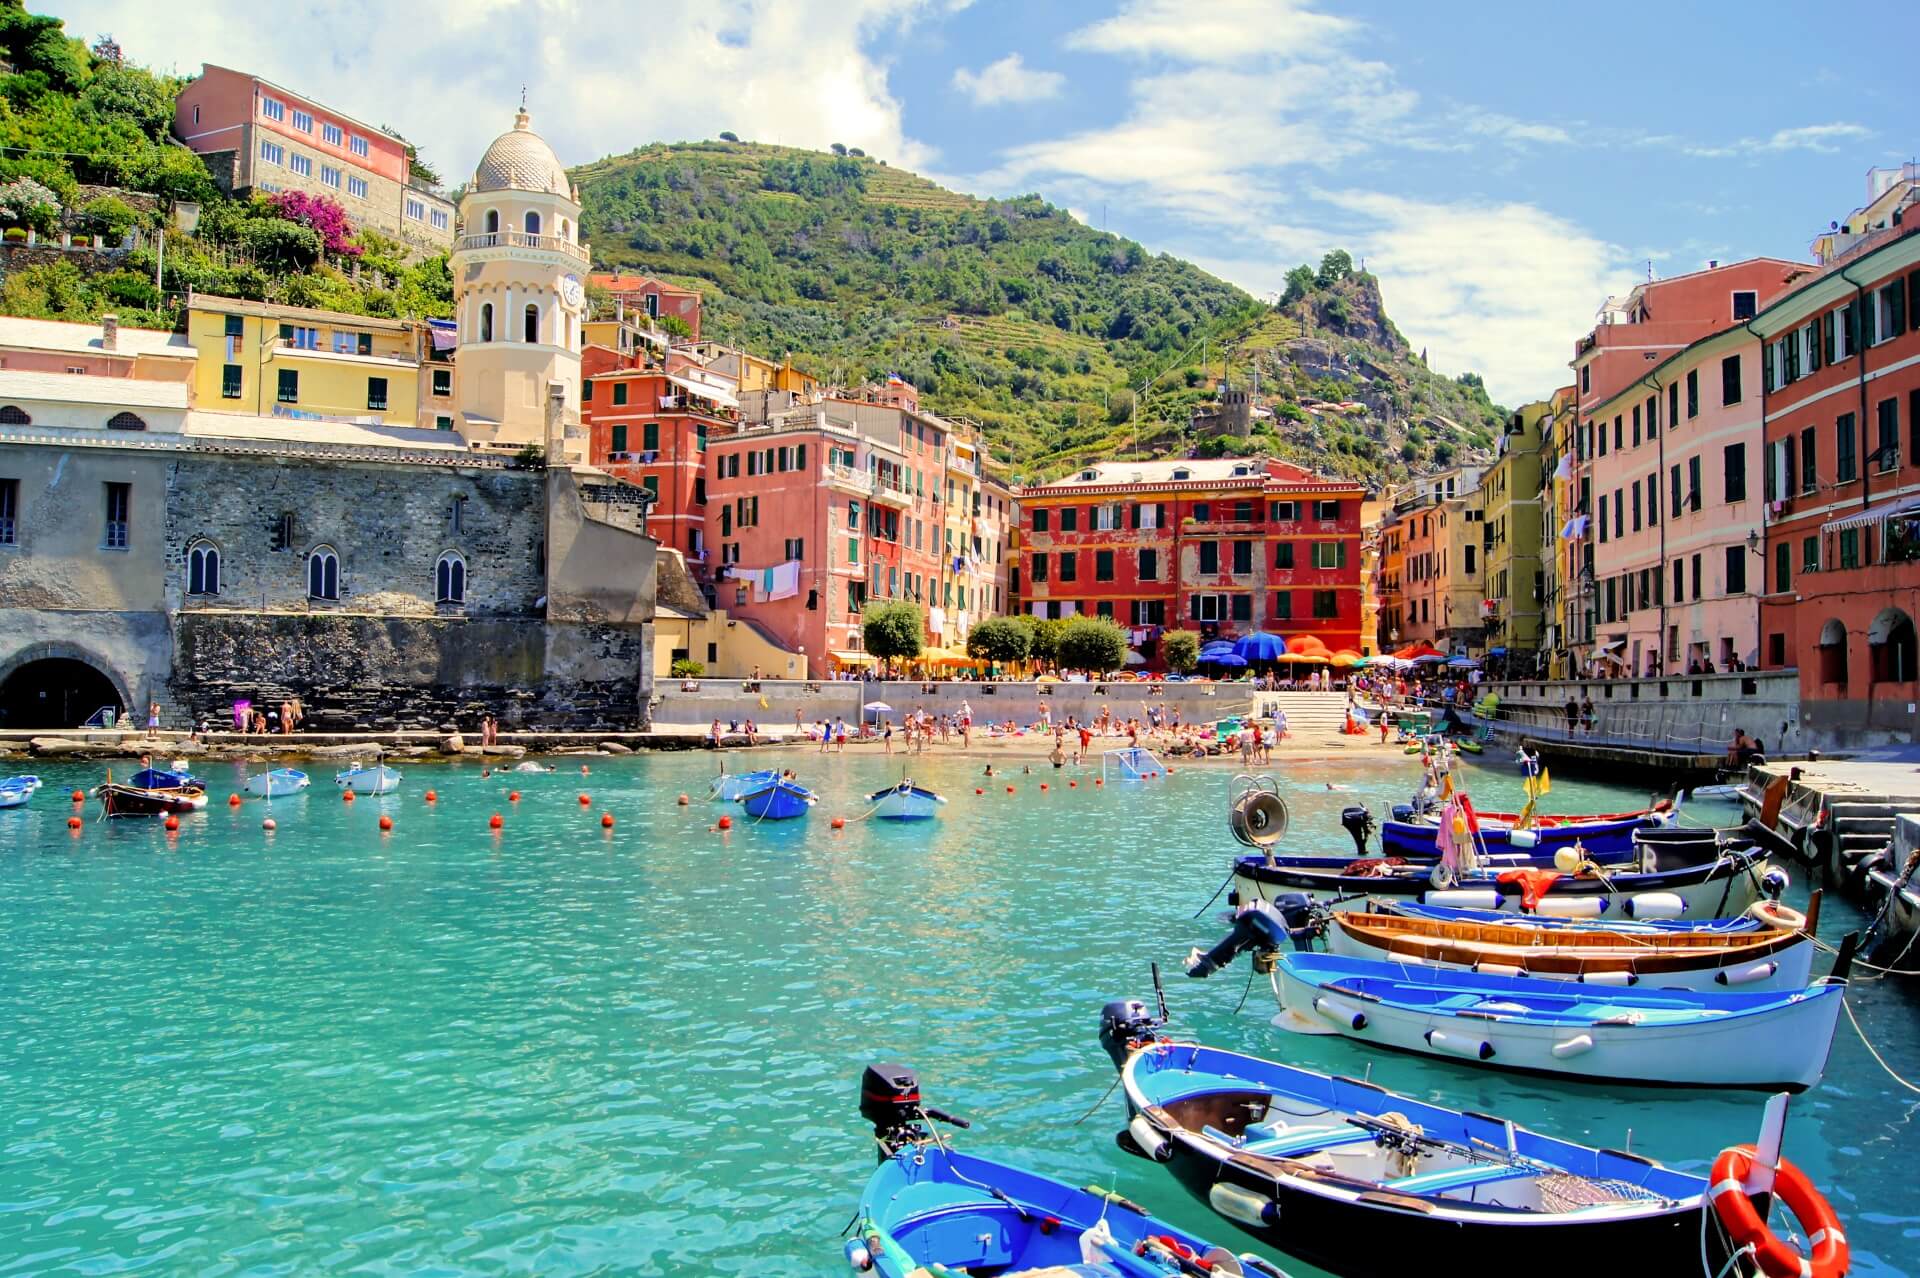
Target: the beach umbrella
(877, 707)
(1430, 659)
(1347, 658)
(1461, 663)
(1135, 659)
(1218, 648)
(1259, 646)
(1228, 660)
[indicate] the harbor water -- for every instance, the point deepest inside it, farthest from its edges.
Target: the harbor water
(565, 1049)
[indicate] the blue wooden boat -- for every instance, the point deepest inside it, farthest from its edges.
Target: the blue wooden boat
(930, 1210)
(1610, 837)
(15, 791)
(280, 781)
(161, 779)
(731, 787)
(779, 800)
(1773, 1040)
(1368, 1183)
(906, 802)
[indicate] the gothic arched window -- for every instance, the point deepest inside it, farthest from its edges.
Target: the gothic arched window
(486, 321)
(533, 224)
(531, 325)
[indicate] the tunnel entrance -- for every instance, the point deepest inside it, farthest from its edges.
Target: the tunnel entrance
(56, 692)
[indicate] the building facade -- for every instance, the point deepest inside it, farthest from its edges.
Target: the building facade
(289, 361)
(1514, 600)
(257, 136)
(1225, 547)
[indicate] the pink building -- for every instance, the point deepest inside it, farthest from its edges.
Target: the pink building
(257, 136)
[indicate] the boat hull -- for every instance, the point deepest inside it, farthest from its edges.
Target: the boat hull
(1783, 1049)
(781, 801)
(281, 781)
(1599, 839)
(126, 801)
(731, 787)
(381, 780)
(15, 798)
(905, 803)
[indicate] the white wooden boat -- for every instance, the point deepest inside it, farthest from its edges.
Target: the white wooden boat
(1775, 1041)
(15, 791)
(378, 779)
(906, 802)
(280, 781)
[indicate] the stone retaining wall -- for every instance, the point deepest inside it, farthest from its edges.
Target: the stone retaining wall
(734, 699)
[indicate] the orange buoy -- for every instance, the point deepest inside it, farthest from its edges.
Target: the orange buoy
(1009, 789)
(346, 796)
(683, 800)
(1073, 785)
(586, 801)
(978, 790)
(172, 822)
(1169, 769)
(386, 822)
(514, 797)
(1043, 787)
(724, 823)
(79, 796)
(431, 796)
(606, 820)
(839, 823)
(494, 822)
(74, 823)
(269, 824)
(1099, 781)
(233, 800)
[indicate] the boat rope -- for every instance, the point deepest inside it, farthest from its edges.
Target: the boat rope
(1216, 894)
(1248, 990)
(1706, 1266)
(1884, 972)
(1097, 1104)
(1874, 1051)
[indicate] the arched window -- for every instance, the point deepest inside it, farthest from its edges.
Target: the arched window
(450, 579)
(1833, 652)
(14, 415)
(1890, 647)
(493, 221)
(533, 224)
(125, 421)
(565, 230)
(203, 568)
(486, 321)
(531, 326)
(323, 573)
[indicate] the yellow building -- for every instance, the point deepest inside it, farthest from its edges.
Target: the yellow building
(1559, 496)
(290, 361)
(1515, 587)
(1373, 515)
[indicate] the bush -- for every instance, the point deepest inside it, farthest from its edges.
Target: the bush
(1093, 644)
(999, 639)
(1180, 649)
(25, 202)
(323, 216)
(892, 630)
(688, 668)
(108, 217)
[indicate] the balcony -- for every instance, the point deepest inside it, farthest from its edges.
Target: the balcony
(521, 240)
(887, 495)
(847, 480)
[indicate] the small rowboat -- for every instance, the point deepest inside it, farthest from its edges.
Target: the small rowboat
(378, 779)
(161, 779)
(1775, 959)
(905, 802)
(1638, 924)
(929, 1209)
(731, 787)
(266, 785)
(1356, 1179)
(1774, 1041)
(15, 791)
(779, 800)
(118, 800)
(1599, 837)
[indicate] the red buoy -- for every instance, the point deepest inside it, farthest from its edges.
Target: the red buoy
(1009, 789)
(233, 800)
(1073, 785)
(1043, 787)
(683, 800)
(386, 822)
(586, 801)
(74, 823)
(172, 822)
(724, 823)
(269, 824)
(514, 797)
(978, 790)
(606, 820)
(839, 823)
(431, 796)
(79, 796)
(1099, 781)
(346, 796)
(494, 822)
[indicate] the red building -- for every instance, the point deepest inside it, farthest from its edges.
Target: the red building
(1841, 372)
(1225, 546)
(643, 294)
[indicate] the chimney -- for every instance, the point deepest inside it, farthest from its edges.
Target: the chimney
(109, 332)
(1713, 264)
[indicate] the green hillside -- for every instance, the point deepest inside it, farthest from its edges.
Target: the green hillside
(1011, 312)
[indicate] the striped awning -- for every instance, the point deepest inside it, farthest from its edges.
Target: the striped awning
(1908, 505)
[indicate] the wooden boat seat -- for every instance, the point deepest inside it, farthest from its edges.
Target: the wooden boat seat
(1451, 1178)
(1269, 1141)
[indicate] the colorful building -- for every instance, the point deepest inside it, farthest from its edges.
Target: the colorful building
(1841, 368)
(652, 427)
(656, 299)
(1513, 602)
(257, 136)
(1391, 533)
(1562, 552)
(290, 361)
(1224, 546)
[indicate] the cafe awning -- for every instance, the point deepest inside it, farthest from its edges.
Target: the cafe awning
(717, 394)
(1907, 505)
(850, 658)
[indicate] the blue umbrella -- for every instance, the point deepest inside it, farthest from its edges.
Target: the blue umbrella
(1228, 660)
(1260, 646)
(1462, 663)
(1429, 659)
(1217, 645)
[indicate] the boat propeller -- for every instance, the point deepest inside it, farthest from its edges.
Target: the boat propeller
(890, 1100)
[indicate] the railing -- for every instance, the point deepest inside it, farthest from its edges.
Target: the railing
(858, 480)
(520, 239)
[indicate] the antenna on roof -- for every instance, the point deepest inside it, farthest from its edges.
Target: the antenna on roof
(523, 97)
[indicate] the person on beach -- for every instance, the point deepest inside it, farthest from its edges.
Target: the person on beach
(153, 717)
(1586, 712)
(286, 718)
(1057, 756)
(888, 736)
(713, 735)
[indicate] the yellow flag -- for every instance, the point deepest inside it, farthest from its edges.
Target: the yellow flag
(1546, 782)
(763, 704)
(1446, 786)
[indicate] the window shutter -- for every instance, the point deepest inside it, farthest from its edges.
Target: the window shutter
(1340, 554)
(1766, 359)
(1826, 333)
(1896, 310)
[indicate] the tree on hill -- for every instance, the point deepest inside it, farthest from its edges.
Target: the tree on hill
(1001, 640)
(892, 630)
(1093, 644)
(1334, 267)
(1180, 649)
(1300, 282)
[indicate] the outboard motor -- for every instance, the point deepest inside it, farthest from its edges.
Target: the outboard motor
(1260, 926)
(1401, 812)
(1358, 822)
(890, 1100)
(1127, 1025)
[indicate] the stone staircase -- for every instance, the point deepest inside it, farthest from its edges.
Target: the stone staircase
(1310, 715)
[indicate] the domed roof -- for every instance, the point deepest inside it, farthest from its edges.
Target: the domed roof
(521, 161)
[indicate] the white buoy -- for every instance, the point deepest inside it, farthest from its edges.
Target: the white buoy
(1578, 1045)
(1478, 1049)
(1148, 1138)
(1340, 1012)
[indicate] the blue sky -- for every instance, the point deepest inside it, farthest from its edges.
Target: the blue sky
(1501, 167)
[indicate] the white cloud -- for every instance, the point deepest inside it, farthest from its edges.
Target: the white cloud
(1823, 138)
(599, 79)
(1008, 80)
(1217, 31)
(1494, 125)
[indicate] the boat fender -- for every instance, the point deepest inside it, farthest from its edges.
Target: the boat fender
(1243, 1205)
(1777, 914)
(1609, 978)
(859, 1259)
(1578, 1045)
(1149, 1140)
(1733, 1204)
(1571, 907)
(1478, 1049)
(1524, 838)
(1499, 969)
(1746, 975)
(1655, 905)
(1463, 899)
(1340, 1013)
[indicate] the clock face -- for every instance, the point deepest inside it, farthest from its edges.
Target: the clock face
(571, 292)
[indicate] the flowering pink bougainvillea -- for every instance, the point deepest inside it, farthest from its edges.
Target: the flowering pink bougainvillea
(324, 216)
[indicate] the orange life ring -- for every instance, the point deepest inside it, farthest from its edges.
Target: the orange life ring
(1744, 1224)
(1777, 914)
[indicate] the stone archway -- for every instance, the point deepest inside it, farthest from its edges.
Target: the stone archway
(1891, 647)
(1833, 652)
(58, 685)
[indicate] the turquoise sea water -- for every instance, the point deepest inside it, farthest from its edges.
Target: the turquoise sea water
(562, 1050)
